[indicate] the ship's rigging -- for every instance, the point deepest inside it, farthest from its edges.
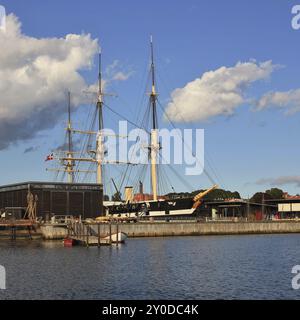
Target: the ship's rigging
(88, 159)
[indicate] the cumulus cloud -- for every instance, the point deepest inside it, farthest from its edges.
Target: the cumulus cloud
(217, 92)
(35, 75)
(280, 181)
(289, 101)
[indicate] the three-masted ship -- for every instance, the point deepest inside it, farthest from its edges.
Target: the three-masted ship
(153, 204)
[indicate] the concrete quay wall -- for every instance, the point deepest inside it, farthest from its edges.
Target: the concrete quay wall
(163, 229)
(160, 229)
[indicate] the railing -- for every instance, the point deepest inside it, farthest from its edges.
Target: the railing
(228, 219)
(202, 219)
(61, 219)
(89, 233)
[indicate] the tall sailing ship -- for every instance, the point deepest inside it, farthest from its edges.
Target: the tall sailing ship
(154, 204)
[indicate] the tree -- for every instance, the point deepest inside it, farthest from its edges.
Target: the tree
(275, 193)
(258, 197)
(217, 194)
(236, 195)
(221, 194)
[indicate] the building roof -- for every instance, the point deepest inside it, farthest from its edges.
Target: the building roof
(289, 200)
(49, 185)
(235, 202)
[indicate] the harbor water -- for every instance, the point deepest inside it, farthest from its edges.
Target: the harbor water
(206, 267)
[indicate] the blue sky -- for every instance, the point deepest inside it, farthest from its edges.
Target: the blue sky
(191, 37)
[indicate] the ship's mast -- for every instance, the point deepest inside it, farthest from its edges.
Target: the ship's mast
(154, 148)
(69, 157)
(70, 166)
(99, 143)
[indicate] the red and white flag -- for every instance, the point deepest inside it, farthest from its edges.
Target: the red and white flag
(49, 157)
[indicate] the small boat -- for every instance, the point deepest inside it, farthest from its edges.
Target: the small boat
(68, 242)
(117, 237)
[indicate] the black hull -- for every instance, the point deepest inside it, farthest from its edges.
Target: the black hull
(161, 208)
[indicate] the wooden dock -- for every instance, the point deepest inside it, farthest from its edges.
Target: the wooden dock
(17, 223)
(15, 229)
(91, 241)
(82, 233)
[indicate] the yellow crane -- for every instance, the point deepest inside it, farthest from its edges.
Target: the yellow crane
(197, 199)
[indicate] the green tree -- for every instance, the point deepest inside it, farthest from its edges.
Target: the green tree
(275, 193)
(258, 197)
(217, 194)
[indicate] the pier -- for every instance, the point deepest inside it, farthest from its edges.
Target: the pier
(90, 234)
(15, 229)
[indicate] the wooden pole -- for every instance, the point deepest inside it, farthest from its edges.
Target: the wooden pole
(99, 235)
(29, 232)
(87, 236)
(263, 206)
(117, 234)
(248, 209)
(110, 232)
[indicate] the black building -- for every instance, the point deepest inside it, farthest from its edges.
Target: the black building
(55, 198)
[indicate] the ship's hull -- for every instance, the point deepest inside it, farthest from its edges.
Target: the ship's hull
(161, 208)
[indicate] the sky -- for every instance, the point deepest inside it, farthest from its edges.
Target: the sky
(228, 67)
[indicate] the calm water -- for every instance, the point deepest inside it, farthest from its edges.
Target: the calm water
(221, 267)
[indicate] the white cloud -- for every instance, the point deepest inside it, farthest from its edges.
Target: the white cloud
(121, 76)
(34, 77)
(288, 100)
(110, 69)
(217, 92)
(280, 181)
(114, 72)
